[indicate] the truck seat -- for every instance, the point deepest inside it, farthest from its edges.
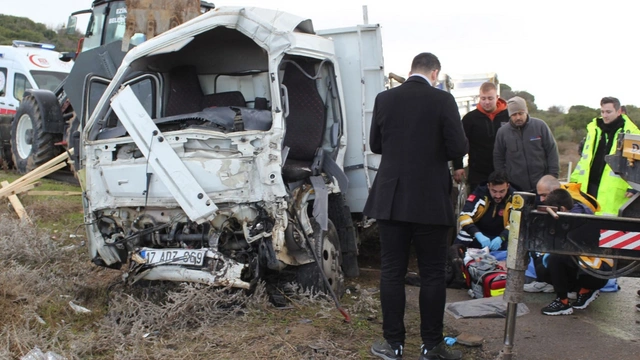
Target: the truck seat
(185, 94)
(305, 125)
(228, 98)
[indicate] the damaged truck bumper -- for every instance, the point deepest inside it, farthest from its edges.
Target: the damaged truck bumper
(209, 267)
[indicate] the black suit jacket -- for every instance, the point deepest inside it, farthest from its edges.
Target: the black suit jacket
(417, 129)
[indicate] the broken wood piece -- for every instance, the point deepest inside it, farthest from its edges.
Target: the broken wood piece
(29, 178)
(53, 193)
(17, 206)
(44, 167)
(24, 188)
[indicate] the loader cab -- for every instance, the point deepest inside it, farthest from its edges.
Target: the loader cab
(107, 23)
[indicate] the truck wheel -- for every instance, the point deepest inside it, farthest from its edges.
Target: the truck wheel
(30, 145)
(327, 247)
(340, 215)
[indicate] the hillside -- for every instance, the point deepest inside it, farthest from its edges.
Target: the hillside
(21, 28)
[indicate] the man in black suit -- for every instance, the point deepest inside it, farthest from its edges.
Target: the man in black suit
(417, 129)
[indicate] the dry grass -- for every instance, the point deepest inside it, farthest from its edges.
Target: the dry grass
(43, 268)
(39, 275)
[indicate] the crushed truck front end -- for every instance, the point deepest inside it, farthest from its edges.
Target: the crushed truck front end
(203, 161)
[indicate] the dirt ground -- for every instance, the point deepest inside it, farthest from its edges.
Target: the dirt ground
(42, 272)
(45, 272)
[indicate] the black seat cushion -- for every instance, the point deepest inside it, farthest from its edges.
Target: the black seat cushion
(305, 125)
(295, 170)
(185, 94)
(227, 98)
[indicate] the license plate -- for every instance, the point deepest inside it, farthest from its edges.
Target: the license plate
(174, 256)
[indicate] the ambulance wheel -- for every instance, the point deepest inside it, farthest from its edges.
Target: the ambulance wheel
(30, 145)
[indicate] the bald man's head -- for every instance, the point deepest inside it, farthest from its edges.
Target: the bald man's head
(545, 185)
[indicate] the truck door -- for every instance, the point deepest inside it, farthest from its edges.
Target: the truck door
(359, 52)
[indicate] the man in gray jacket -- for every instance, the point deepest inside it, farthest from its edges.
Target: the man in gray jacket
(525, 148)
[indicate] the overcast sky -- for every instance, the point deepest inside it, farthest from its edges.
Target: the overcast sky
(564, 52)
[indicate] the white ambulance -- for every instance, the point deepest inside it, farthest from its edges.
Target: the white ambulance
(29, 65)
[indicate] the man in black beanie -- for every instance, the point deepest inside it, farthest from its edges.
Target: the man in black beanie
(525, 148)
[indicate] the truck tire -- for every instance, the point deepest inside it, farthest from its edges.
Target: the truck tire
(327, 247)
(340, 215)
(30, 145)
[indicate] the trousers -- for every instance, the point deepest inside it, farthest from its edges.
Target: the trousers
(430, 244)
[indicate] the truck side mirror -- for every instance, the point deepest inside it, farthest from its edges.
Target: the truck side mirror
(67, 56)
(71, 25)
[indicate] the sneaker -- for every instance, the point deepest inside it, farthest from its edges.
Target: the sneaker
(557, 307)
(537, 286)
(439, 352)
(585, 299)
(383, 350)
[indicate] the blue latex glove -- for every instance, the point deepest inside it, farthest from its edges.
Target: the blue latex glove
(496, 242)
(450, 340)
(483, 240)
(545, 260)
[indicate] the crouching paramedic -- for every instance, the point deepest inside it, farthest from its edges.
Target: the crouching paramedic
(546, 185)
(484, 219)
(564, 272)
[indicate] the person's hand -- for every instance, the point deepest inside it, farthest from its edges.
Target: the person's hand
(629, 194)
(458, 175)
(545, 260)
(496, 242)
(483, 240)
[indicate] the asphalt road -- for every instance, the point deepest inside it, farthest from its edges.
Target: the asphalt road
(608, 329)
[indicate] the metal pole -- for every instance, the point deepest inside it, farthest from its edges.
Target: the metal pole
(517, 261)
(365, 14)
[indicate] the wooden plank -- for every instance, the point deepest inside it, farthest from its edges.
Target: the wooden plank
(14, 185)
(25, 188)
(17, 206)
(53, 193)
(44, 168)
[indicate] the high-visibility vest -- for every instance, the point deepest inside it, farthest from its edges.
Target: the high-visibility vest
(612, 189)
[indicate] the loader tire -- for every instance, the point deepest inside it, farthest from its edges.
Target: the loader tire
(30, 145)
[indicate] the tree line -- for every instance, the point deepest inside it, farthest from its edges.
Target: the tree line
(21, 28)
(566, 126)
(569, 126)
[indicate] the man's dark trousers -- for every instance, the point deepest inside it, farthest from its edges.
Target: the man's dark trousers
(430, 243)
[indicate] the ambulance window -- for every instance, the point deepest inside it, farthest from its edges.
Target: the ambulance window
(20, 84)
(3, 81)
(48, 80)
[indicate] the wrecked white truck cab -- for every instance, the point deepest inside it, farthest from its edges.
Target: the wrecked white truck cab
(217, 152)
